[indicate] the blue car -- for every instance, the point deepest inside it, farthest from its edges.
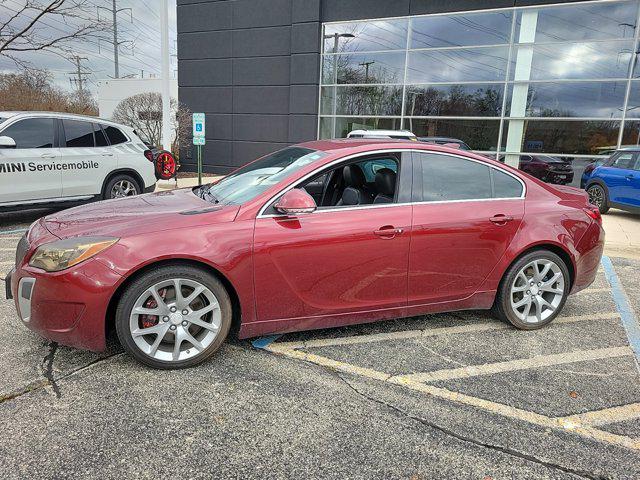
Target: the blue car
(616, 183)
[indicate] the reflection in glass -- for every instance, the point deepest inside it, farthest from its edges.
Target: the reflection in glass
(633, 104)
(367, 36)
(580, 22)
(478, 134)
(569, 99)
(454, 100)
(578, 137)
(578, 60)
(363, 68)
(346, 125)
(490, 28)
(458, 65)
(326, 128)
(362, 100)
(631, 133)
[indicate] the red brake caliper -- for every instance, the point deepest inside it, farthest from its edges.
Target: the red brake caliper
(147, 321)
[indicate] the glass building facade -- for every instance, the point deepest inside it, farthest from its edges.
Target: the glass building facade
(561, 80)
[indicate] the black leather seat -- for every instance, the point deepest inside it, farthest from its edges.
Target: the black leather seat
(354, 192)
(385, 185)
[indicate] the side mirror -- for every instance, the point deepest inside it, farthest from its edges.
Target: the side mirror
(7, 142)
(296, 201)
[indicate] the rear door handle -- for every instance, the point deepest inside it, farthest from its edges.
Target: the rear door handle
(501, 219)
(107, 154)
(388, 232)
(48, 155)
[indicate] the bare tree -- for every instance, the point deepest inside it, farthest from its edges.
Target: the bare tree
(34, 90)
(143, 112)
(22, 27)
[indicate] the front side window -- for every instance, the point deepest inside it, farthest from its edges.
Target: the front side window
(255, 178)
(448, 178)
(625, 160)
(78, 133)
(31, 133)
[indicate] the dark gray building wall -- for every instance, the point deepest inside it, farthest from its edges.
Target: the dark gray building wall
(253, 67)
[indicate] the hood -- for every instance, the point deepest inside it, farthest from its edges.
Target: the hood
(137, 215)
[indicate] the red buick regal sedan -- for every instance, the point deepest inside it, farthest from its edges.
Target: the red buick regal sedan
(316, 235)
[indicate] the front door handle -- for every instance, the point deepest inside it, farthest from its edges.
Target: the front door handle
(388, 231)
(630, 177)
(501, 219)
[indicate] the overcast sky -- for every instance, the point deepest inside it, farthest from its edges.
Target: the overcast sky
(144, 31)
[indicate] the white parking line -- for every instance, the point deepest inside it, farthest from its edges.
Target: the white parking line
(520, 364)
(409, 334)
(461, 398)
(7, 249)
(605, 416)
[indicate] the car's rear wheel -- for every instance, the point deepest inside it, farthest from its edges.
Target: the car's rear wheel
(533, 290)
(173, 317)
(598, 197)
(121, 186)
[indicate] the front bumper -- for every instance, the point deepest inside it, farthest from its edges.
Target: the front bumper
(68, 307)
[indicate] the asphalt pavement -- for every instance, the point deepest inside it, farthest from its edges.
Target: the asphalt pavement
(456, 395)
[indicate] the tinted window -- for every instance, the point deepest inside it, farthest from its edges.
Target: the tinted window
(505, 186)
(31, 133)
(446, 178)
(115, 135)
(625, 160)
(101, 139)
(78, 134)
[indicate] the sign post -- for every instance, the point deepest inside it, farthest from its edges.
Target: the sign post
(199, 139)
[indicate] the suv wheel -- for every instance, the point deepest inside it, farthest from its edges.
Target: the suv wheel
(598, 197)
(121, 186)
(173, 316)
(533, 291)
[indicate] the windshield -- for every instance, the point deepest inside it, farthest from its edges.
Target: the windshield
(251, 180)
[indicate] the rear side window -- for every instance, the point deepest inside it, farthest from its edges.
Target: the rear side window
(505, 186)
(101, 138)
(446, 178)
(114, 134)
(78, 134)
(31, 133)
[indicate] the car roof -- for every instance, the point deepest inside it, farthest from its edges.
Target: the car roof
(10, 114)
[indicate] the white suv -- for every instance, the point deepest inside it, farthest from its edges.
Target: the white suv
(50, 158)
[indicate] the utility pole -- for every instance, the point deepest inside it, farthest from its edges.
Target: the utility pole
(166, 79)
(79, 73)
(366, 66)
(114, 11)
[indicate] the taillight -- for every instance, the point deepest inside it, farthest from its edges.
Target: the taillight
(594, 213)
(149, 155)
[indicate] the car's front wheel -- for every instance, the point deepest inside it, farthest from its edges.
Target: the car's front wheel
(173, 316)
(598, 197)
(533, 291)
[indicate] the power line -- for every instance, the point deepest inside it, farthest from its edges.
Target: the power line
(80, 74)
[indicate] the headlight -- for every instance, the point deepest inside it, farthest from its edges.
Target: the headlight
(62, 254)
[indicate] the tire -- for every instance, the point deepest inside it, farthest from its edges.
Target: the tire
(503, 307)
(118, 182)
(209, 329)
(598, 197)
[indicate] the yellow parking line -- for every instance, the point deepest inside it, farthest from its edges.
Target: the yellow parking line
(409, 334)
(443, 393)
(520, 364)
(605, 416)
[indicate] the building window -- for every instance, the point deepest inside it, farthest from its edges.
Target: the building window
(556, 79)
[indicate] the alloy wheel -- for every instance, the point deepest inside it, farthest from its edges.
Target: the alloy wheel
(123, 188)
(537, 291)
(175, 319)
(596, 195)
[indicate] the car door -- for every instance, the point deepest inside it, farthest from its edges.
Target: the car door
(465, 215)
(29, 172)
(619, 177)
(336, 260)
(86, 156)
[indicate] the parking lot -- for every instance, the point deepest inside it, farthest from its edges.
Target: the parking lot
(440, 396)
